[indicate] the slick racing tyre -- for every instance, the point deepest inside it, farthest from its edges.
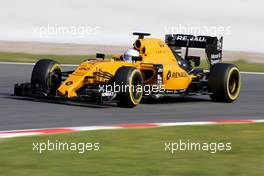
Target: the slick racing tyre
(46, 75)
(224, 82)
(130, 82)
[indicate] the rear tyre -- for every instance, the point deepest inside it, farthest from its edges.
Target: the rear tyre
(46, 75)
(224, 82)
(130, 82)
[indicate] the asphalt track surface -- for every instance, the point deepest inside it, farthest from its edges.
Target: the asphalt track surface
(29, 114)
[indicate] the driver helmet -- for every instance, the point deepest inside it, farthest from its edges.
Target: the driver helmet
(129, 54)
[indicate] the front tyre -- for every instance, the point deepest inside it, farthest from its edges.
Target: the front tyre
(130, 83)
(224, 82)
(46, 75)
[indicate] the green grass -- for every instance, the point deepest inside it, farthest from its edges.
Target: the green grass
(32, 58)
(140, 152)
(76, 59)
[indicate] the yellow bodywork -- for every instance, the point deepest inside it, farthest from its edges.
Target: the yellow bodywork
(152, 51)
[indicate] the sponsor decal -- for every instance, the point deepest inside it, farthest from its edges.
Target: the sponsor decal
(83, 68)
(176, 74)
(169, 75)
(191, 38)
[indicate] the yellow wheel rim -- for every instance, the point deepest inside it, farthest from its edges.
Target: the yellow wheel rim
(135, 101)
(233, 83)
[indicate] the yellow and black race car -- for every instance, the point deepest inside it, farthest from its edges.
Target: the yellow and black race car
(153, 68)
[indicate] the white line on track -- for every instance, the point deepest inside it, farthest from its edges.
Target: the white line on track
(253, 73)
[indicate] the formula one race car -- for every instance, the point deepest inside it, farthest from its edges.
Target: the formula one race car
(152, 68)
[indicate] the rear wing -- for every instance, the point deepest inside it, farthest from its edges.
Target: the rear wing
(212, 45)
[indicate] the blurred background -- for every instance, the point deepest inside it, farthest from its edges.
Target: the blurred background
(112, 22)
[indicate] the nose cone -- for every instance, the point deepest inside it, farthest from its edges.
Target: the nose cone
(70, 85)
